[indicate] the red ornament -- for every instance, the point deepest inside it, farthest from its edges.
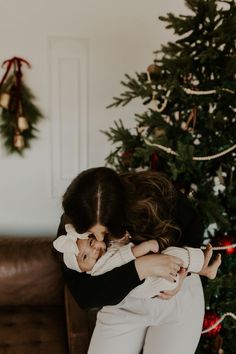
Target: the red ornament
(126, 158)
(225, 241)
(210, 319)
(154, 159)
(228, 243)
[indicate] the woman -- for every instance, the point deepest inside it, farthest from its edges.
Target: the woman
(145, 204)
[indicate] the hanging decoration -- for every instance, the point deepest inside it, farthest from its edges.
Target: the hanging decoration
(192, 118)
(19, 116)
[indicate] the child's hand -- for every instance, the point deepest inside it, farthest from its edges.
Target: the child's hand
(145, 247)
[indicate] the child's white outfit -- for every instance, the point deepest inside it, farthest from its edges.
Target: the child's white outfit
(117, 255)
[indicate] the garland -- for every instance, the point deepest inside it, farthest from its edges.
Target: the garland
(219, 321)
(188, 91)
(168, 150)
(209, 92)
(19, 115)
(221, 248)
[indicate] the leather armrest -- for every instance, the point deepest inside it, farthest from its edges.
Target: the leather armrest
(77, 325)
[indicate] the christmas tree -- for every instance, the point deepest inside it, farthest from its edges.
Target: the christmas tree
(188, 130)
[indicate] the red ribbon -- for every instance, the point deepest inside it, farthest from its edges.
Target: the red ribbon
(16, 62)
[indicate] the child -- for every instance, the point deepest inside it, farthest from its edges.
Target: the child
(83, 253)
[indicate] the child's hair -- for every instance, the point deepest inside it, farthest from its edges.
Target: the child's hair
(141, 203)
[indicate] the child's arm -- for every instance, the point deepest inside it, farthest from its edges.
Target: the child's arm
(118, 255)
(145, 247)
(193, 258)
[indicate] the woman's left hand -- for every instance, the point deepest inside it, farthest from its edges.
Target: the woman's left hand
(166, 295)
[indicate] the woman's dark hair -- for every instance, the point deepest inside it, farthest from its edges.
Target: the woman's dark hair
(150, 207)
(141, 203)
(97, 195)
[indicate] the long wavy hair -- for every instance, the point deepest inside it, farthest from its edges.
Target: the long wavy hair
(141, 203)
(150, 207)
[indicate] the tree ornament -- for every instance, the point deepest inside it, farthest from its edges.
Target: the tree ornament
(224, 243)
(153, 69)
(230, 249)
(210, 319)
(19, 141)
(186, 78)
(191, 119)
(19, 115)
(126, 158)
(159, 132)
(22, 123)
(154, 160)
(5, 100)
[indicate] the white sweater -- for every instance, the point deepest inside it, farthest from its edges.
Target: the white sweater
(117, 255)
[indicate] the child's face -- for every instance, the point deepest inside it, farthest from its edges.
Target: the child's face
(90, 250)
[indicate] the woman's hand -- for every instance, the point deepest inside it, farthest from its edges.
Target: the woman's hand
(166, 295)
(159, 265)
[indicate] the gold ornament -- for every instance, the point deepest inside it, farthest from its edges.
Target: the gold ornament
(153, 68)
(22, 123)
(158, 132)
(191, 119)
(19, 142)
(5, 100)
(184, 126)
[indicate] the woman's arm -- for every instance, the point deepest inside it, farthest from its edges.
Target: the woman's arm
(106, 289)
(101, 290)
(110, 288)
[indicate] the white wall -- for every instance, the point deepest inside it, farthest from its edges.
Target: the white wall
(119, 37)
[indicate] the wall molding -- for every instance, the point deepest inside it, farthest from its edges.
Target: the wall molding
(69, 110)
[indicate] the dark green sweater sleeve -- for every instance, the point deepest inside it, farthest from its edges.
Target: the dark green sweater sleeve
(105, 289)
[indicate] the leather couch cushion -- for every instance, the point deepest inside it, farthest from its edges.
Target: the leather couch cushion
(29, 272)
(32, 330)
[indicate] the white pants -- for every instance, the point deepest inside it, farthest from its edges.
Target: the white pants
(158, 326)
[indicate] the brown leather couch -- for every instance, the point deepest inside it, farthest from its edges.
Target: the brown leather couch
(37, 313)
